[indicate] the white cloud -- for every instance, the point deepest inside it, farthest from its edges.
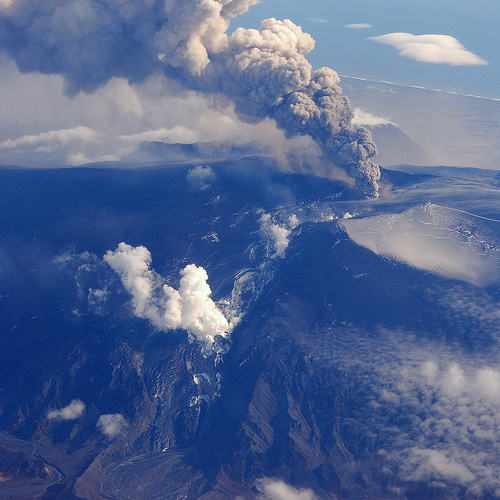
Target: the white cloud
(435, 409)
(82, 159)
(178, 134)
(121, 114)
(277, 234)
(367, 119)
(124, 96)
(112, 424)
(318, 20)
(359, 26)
(54, 138)
(431, 465)
(71, 412)
(201, 177)
(189, 308)
(436, 49)
(274, 489)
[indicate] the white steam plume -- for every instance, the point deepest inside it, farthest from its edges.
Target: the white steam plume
(277, 234)
(189, 308)
(264, 72)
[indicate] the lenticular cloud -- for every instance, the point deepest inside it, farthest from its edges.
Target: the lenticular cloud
(189, 308)
(435, 49)
(264, 71)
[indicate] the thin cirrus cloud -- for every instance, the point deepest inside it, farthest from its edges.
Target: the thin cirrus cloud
(435, 49)
(318, 20)
(358, 26)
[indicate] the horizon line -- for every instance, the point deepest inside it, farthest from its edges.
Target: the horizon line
(419, 87)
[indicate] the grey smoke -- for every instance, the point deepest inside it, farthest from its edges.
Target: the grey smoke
(264, 72)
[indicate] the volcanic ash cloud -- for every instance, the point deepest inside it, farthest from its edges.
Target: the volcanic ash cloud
(263, 72)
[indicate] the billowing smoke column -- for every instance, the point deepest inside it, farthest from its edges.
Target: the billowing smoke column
(264, 72)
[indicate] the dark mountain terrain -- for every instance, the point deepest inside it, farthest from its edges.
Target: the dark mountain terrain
(329, 382)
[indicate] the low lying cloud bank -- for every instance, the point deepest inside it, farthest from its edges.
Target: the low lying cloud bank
(47, 141)
(435, 410)
(189, 308)
(71, 412)
(436, 49)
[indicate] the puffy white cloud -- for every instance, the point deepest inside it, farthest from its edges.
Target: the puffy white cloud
(432, 465)
(189, 308)
(71, 412)
(436, 49)
(277, 234)
(112, 424)
(358, 26)
(275, 489)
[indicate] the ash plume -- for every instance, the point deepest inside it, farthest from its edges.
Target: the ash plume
(264, 72)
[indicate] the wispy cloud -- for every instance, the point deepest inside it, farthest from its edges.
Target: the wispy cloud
(53, 138)
(435, 49)
(318, 20)
(112, 424)
(358, 26)
(82, 159)
(365, 118)
(71, 412)
(177, 134)
(275, 489)
(277, 234)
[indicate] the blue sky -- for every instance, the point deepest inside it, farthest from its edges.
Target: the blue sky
(475, 24)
